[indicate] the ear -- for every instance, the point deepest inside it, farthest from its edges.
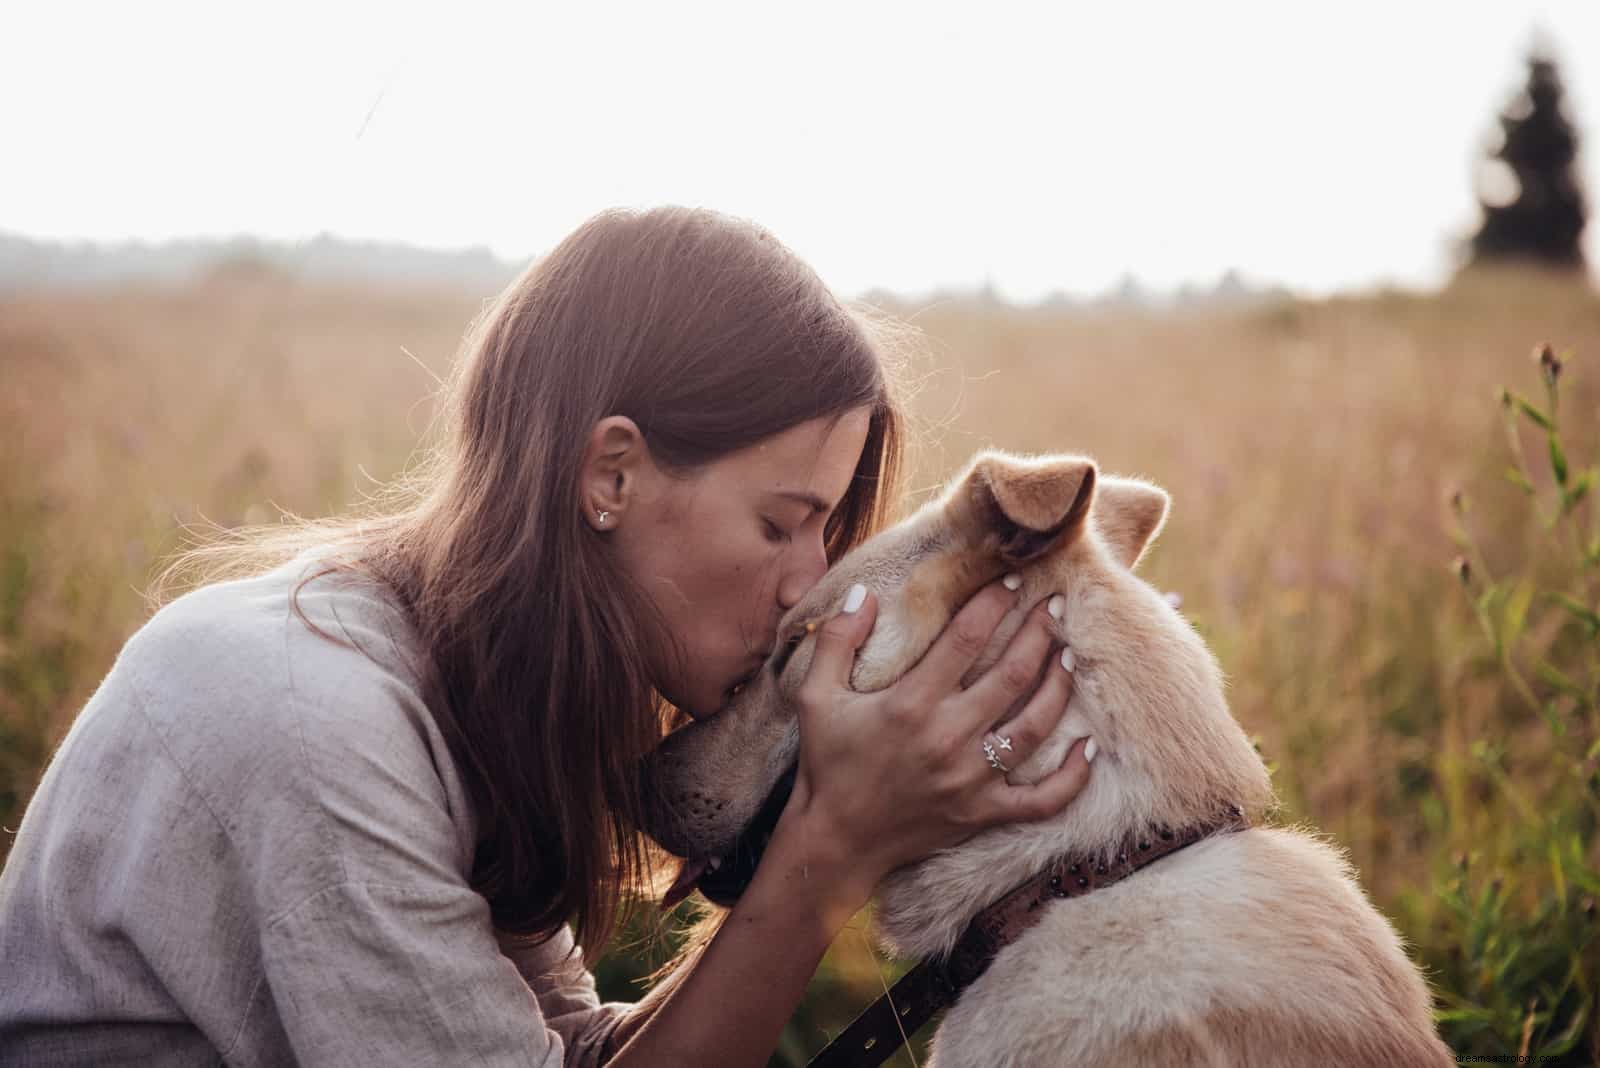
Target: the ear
(1129, 514)
(1028, 505)
(615, 460)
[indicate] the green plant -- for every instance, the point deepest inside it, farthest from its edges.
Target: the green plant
(1513, 950)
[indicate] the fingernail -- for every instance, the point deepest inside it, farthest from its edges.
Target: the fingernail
(1057, 607)
(853, 599)
(1012, 581)
(1089, 750)
(1068, 661)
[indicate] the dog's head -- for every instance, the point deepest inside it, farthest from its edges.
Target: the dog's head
(721, 782)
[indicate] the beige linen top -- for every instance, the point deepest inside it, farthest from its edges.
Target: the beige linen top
(252, 847)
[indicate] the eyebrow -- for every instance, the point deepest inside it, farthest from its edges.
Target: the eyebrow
(817, 503)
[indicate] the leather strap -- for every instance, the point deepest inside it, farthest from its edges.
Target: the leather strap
(873, 1037)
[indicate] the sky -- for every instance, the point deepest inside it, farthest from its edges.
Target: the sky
(912, 146)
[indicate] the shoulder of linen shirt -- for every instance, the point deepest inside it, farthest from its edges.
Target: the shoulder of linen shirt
(241, 645)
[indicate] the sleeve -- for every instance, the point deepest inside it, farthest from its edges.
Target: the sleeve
(388, 956)
(376, 974)
(566, 993)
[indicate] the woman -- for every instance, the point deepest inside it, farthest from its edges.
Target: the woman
(342, 809)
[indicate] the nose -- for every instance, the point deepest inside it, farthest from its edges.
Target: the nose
(806, 564)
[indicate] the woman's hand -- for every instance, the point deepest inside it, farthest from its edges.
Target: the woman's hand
(892, 776)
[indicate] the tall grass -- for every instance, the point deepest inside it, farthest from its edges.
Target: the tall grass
(1313, 450)
(1514, 943)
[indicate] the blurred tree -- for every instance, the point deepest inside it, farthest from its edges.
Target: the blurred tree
(1544, 220)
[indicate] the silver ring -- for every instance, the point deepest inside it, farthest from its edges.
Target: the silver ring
(992, 753)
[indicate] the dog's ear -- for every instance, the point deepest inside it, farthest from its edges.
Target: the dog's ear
(1027, 506)
(1129, 514)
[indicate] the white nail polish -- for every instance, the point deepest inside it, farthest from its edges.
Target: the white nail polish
(1012, 581)
(1089, 750)
(854, 599)
(1068, 661)
(1057, 606)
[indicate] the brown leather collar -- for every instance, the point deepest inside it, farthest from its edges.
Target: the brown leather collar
(934, 984)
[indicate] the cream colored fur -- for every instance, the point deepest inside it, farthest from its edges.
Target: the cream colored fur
(1252, 948)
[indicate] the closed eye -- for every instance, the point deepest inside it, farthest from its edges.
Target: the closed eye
(775, 533)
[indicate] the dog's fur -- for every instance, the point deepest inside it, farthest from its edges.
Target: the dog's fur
(1249, 948)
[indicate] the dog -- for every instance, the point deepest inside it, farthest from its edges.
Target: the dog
(1254, 947)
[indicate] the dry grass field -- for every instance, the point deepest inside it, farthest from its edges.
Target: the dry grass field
(1311, 449)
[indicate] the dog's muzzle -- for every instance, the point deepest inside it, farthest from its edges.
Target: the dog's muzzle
(724, 884)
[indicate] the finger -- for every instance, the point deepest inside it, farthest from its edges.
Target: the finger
(1019, 738)
(838, 639)
(1004, 803)
(1016, 673)
(960, 644)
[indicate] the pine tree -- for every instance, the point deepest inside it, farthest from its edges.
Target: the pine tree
(1545, 221)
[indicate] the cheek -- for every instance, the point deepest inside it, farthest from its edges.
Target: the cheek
(734, 599)
(711, 559)
(733, 570)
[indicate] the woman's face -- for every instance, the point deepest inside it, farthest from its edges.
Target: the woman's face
(725, 551)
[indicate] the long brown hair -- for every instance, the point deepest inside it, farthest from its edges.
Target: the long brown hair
(711, 336)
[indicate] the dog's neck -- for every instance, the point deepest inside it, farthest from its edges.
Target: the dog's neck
(923, 909)
(935, 984)
(1170, 755)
